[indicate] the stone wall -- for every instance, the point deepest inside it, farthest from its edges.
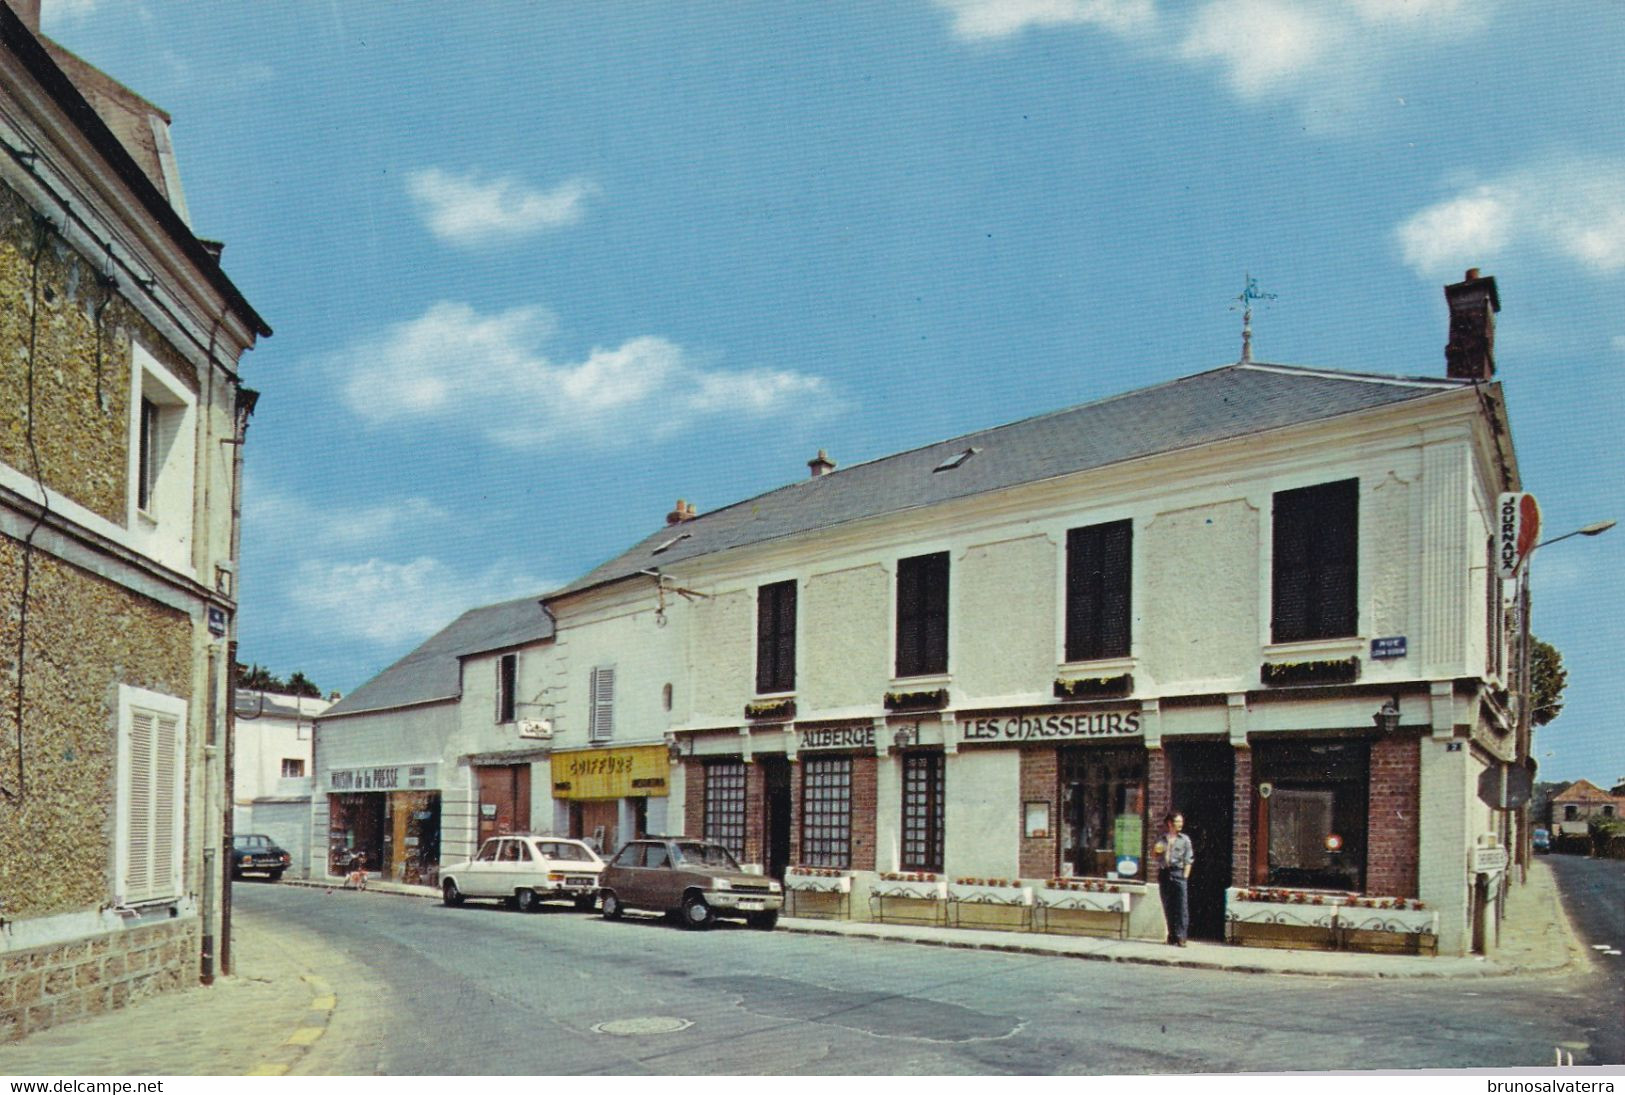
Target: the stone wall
(86, 636)
(42, 987)
(80, 339)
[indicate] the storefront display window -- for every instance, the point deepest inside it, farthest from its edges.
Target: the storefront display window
(725, 805)
(1104, 795)
(826, 812)
(1312, 813)
(923, 776)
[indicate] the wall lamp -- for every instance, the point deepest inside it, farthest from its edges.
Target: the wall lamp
(674, 747)
(1387, 717)
(906, 736)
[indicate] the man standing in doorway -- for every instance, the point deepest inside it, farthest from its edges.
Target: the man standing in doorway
(1175, 856)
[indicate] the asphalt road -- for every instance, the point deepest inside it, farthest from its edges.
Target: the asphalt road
(1594, 893)
(427, 990)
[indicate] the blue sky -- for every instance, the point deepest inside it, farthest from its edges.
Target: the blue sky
(538, 270)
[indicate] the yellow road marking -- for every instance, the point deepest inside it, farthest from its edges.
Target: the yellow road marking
(324, 1003)
(304, 1036)
(268, 1069)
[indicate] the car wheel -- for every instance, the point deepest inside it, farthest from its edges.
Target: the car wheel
(611, 906)
(764, 921)
(527, 901)
(276, 876)
(697, 913)
(585, 902)
(449, 891)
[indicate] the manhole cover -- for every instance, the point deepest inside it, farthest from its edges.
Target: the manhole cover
(644, 1024)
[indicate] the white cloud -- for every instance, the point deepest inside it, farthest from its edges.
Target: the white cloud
(393, 603)
(1568, 209)
(470, 211)
(291, 520)
(980, 20)
(1261, 44)
(490, 372)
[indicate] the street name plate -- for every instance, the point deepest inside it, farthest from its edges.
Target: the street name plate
(1489, 860)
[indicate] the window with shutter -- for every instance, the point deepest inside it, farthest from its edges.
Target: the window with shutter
(1316, 551)
(776, 637)
(922, 615)
(1099, 560)
(601, 704)
(507, 673)
(150, 808)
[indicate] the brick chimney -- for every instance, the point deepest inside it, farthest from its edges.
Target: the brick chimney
(27, 11)
(821, 464)
(1470, 354)
(681, 512)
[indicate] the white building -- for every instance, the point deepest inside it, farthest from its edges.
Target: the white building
(271, 768)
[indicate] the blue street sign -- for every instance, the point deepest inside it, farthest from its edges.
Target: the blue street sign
(1392, 647)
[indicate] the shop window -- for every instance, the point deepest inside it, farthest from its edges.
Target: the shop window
(1313, 821)
(1103, 792)
(293, 767)
(922, 615)
(1316, 548)
(151, 795)
(923, 778)
(601, 704)
(507, 675)
(826, 812)
(1098, 564)
(725, 805)
(776, 637)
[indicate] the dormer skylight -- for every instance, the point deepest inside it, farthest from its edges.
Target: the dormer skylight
(673, 542)
(955, 460)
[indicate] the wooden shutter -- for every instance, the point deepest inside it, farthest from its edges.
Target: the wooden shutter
(1099, 562)
(922, 615)
(601, 704)
(138, 807)
(776, 637)
(153, 807)
(1316, 549)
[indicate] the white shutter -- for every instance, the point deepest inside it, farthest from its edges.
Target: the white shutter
(601, 704)
(138, 870)
(166, 781)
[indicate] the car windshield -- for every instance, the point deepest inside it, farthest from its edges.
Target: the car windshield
(573, 853)
(249, 840)
(695, 854)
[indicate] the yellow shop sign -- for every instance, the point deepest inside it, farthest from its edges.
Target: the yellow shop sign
(611, 773)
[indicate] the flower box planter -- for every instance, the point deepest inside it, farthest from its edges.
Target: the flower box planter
(1095, 688)
(818, 880)
(916, 889)
(1307, 918)
(1328, 671)
(771, 710)
(917, 701)
(818, 893)
(995, 903)
(1082, 907)
(908, 898)
(1388, 926)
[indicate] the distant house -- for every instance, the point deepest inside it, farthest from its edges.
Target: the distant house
(1573, 809)
(271, 769)
(122, 416)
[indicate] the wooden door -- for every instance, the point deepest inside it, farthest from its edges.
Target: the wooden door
(504, 799)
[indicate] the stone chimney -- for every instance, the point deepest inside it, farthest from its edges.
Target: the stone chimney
(1470, 354)
(27, 11)
(681, 512)
(821, 464)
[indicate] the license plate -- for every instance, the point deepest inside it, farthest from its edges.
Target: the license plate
(581, 882)
(753, 905)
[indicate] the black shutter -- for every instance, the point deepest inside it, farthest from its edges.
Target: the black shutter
(776, 637)
(922, 615)
(1099, 573)
(786, 661)
(1316, 548)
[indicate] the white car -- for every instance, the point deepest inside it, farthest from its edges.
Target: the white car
(524, 870)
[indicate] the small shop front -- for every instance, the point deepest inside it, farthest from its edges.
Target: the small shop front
(609, 796)
(386, 817)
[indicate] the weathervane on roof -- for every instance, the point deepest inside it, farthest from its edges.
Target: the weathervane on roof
(1249, 294)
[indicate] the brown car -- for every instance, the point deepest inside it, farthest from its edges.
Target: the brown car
(693, 879)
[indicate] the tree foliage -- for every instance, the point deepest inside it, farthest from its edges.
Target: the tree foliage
(1548, 679)
(261, 679)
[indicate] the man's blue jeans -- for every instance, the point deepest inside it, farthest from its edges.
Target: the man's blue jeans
(1175, 906)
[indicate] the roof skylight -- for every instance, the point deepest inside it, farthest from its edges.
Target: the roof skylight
(956, 459)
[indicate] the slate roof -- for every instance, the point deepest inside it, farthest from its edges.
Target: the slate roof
(1225, 403)
(431, 672)
(253, 704)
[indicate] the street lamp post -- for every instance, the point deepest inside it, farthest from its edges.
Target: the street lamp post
(1525, 726)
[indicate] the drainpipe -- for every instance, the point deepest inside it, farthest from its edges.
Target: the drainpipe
(247, 398)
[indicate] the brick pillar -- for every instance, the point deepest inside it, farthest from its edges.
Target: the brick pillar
(1241, 824)
(1157, 789)
(795, 813)
(1392, 835)
(1040, 782)
(865, 800)
(755, 814)
(693, 798)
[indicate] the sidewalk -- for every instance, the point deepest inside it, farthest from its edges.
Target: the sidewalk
(265, 1018)
(259, 1022)
(1536, 938)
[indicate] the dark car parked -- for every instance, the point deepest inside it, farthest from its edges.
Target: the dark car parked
(693, 879)
(254, 853)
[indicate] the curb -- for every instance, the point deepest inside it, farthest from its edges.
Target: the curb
(293, 1050)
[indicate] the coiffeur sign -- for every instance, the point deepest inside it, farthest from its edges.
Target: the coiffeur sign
(611, 773)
